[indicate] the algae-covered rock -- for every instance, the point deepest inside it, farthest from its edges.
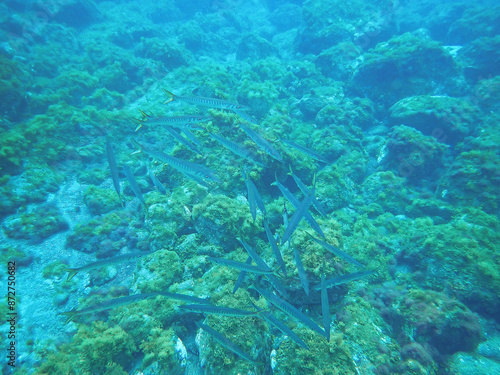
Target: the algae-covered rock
(221, 220)
(480, 58)
(311, 103)
(476, 22)
(356, 112)
(405, 65)
(35, 224)
(445, 118)
(414, 155)
(338, 62)
(326, 23)
(254, 47)
(100, 201)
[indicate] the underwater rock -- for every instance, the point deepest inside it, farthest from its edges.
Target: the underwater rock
(100, 201)
(286, 17)
(480, 58)
(449, 120)
(347, 112)
(406, 65)
(311, 103)
(36, 224)
(414, 155)
(476, 22)
(326, 23)
(254, 47)
(339, 61)
(74, 13)
(468, 364)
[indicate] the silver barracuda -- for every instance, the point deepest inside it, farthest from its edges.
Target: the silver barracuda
(304, 150)
(133, 184)
(112, 167)
(205, 102)
(262, 143)
(300, 269)
(274, 247)
(344, 279)
(217, 310)
(108, 262)
(305, 190)
(298, 215)
(235, 148)
(172, 121)
(228, 344)
(184, 141)
(325, 307)
(241, 266)
(295, 202)
(336, 251)
(183, 166)
(109, 304)
(290, 310)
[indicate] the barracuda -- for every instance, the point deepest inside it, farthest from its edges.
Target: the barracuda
(108, 262)
(228, 344)
(217, 310)
(205, 102)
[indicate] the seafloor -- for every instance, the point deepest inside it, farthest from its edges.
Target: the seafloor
(399, 101)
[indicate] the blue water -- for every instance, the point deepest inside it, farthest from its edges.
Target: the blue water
(355, 142)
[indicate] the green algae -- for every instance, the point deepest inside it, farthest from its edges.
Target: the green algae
(100, 201)
(160, 347)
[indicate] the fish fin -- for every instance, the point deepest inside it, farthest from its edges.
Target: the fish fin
(168, 93)
(145, 116)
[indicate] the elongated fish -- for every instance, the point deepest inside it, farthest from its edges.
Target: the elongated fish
(325, 307)
(252, 203)
(133, 184)
(217, 310)
(183, 297)
(271, 319)
(336, 251)
(172, 121)
(290, 310)
(241, 266)
(108, 262)
(262, 143)
(235, 148)
(205, 102)
(298, 215)
(305, 190)
(274, 247)
(157, 183)
(190, 136)
(241, 276)
(183, 166)
(184, 141)
(109, 304)
(260, 263)
(295, 202)
(228, 344)
(304, 150)
(112, 167)
(245, 116)
(300, 269)
(344, 279)
(256, 194)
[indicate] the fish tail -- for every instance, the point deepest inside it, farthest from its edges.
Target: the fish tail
(70, 315)
(138, 122)
(170, 95)
(71, 274)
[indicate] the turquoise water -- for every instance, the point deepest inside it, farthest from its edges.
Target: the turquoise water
(262, 187)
